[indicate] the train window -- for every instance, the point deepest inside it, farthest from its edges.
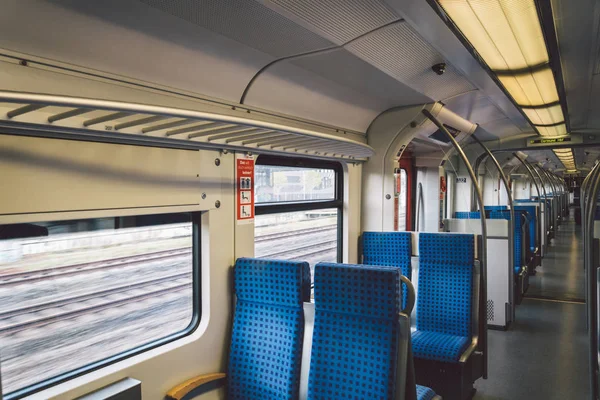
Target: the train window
(298, 209)
(77, 295)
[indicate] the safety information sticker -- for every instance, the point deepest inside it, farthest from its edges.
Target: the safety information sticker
(244, 177)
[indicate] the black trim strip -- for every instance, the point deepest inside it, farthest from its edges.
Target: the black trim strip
(522, 71)
(547, 105)
(550, 125)
(544, 8)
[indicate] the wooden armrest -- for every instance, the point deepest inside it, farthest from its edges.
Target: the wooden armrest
(181, 390)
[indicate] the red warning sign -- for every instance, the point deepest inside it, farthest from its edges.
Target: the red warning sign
(244, 176)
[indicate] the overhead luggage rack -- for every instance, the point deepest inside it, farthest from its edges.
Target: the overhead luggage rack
(160, 124)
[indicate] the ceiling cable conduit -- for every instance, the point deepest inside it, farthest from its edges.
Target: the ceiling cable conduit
(308, 53)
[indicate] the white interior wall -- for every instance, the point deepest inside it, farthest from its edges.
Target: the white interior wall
(92, 175)
(352, 207)
(429, 215)
(490, 192)
(521, 189)
(462, 194)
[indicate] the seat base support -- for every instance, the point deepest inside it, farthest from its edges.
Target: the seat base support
(452, 381)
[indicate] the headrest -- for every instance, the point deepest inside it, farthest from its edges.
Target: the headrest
(279, 282)
(447, 248)
(367, 290)
(387, 248)
(467, 215)
(500, 214)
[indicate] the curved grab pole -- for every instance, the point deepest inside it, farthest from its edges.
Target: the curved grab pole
(488, 153)
(483, 256)
(591, 284)
(554, 211)
(478, 162)
(537, 188)
(540, 178)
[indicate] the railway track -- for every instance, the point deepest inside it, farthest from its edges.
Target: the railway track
(291, 254)
(75, 306)
(297, 232)
(77, 269)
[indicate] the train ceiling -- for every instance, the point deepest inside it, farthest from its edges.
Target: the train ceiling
(339, 63)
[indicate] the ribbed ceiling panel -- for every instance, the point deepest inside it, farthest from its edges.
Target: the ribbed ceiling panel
(502, 128)
(247, 22)
(400, 52)
(340, 20)
(345, 69)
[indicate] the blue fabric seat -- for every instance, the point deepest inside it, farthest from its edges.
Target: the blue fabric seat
(467, 215)
(495, 208)
(439, 346)
(355, 339)
(424, 393)
(531, 217)
(268, 329)
(444, 300)
(393, 249)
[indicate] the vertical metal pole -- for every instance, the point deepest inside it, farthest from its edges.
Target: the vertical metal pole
(554, 211)
(526, 165)
(591, 289)
(489, 154)
(483, 257)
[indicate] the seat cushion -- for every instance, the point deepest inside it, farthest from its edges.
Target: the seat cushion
(438, 346)
(424, 393)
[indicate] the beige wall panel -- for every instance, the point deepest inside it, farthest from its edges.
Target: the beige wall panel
(41, 175)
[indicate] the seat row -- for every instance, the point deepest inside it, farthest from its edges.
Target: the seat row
(356, 345)
(448, 319)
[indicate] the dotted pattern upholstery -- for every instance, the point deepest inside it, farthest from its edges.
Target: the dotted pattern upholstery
(439, 346)
(467, 214)
(531, 216)
(389, 248)
(424, 393)
(444, 303)
(495, 208)
(354, 348)
(268, 329)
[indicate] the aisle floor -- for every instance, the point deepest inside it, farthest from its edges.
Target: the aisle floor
(544, 354)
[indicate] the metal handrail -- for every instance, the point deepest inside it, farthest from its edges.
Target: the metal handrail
(481, 336)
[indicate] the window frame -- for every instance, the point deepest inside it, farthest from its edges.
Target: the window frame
(292, 206)
(196, 220)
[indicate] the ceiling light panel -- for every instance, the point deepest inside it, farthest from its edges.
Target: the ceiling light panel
(557, 130)
(566, 158)
(546, 115)
(531, 88)
(507, 34)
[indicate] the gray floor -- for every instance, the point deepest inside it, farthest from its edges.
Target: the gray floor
(544, 354)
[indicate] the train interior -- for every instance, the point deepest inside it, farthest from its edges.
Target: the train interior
(299, 199)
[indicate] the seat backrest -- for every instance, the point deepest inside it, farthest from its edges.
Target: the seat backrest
(268, 328)
(392, 249)
(445, 294)
(356, 332)
(467, 215)
(532, 218)
(495, 208)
